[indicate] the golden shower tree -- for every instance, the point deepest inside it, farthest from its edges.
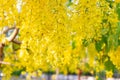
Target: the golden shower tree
(61, 34)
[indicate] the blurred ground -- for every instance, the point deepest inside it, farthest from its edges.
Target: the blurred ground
(60, 77)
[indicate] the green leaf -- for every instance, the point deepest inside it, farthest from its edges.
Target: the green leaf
(8, 49)
(98, 45)
(16, 46)
(73, 44)
(116, 36)
(109, 43)
(85, 42)
(109, 65)
(118, 29)
(118, 10)
(69, 3)
(116, 44)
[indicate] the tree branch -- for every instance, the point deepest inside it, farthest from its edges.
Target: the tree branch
(11, 38)
(1, 52)
(13, 35)
(6, 29)
(2, 62)
(16, 41)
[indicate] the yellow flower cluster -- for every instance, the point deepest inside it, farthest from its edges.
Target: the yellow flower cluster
(109, 74)
(52, 32)
(114, 57)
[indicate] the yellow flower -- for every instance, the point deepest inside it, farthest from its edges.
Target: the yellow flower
(109, 74)
(96, 77)
(117, 1)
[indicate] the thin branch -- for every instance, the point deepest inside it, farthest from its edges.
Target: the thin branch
(13, 35)
(2, 62)
(1, 51)
(6, 29)
(16, 41)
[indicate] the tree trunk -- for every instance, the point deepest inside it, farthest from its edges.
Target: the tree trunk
(1, 52)
(79, 74)
(57, 74)
(49, 75)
